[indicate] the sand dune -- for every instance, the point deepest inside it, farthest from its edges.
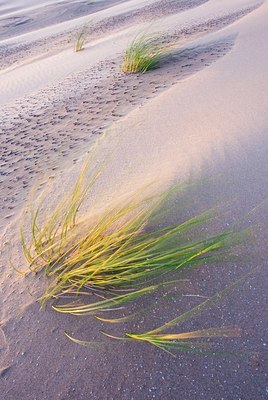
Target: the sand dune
(202, 113)
(30, 17)
(50, 81)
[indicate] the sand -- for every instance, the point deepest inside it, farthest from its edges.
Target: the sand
(201, 116)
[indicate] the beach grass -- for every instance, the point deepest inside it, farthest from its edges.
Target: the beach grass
(193, 341)
(118, 250)
(49, 237)
(81, 39)
(183, 341)
(101, 264)
(144, 54)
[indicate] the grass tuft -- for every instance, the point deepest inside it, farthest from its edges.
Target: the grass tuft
(144, 54)
(80, 39)
(120, 257)
(118, 251)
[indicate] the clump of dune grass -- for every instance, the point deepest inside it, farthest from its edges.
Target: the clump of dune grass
(80, 39)
(118, 257)
(144, 53)
(117, 251)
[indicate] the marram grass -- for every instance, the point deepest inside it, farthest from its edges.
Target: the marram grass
(183, 341)
(118, 258)
(171, 343)
(80, 39)
(144, 53)
(116, 252)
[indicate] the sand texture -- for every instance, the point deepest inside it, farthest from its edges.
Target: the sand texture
(200, 117)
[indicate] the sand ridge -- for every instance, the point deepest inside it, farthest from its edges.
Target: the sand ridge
(47, 14)
(90, 110)
(37, 131)
(14, 52)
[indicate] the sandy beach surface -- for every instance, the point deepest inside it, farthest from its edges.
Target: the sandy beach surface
(200, 117)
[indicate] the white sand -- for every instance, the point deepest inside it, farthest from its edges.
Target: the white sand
(37, 74)
(208, 116)
(200, 118)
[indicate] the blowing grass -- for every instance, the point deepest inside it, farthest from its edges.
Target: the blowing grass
(144, 54)
(118, 257)
(81, 39)
(49, 237)
(189, 341)
(184, 341)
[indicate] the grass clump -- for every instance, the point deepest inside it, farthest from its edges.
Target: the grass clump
(80, 39)
(118, 257)
(117, 251)
(144, 54)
